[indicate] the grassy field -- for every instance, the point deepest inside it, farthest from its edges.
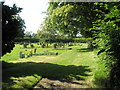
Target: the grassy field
(80, 63)
(14, 55)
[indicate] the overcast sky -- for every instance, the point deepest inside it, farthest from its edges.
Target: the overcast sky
(31, 13)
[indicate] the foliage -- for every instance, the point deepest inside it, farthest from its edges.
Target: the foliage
(28, 34)
(67, 40)
(107, 40)
(100, 21)
(12, 27)
(34, 35)
(82, 40)
(69, 19)
(91, 19)
(32, 40)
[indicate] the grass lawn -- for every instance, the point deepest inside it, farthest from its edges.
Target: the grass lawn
(14, 55)
(79, 63)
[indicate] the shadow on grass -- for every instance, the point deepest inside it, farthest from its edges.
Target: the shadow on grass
(84, 50)
(46, 70)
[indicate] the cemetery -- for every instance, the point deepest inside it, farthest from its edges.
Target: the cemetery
(32, 52)
(75, 46)
(50, 53)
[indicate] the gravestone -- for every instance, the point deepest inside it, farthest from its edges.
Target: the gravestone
(30, 53)
(31, 45)
(35, 50)
(24, 45)
(43, 45)
(22, 55)
(37, 43)
(55, 46)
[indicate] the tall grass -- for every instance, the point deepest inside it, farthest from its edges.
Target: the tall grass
(101, 73)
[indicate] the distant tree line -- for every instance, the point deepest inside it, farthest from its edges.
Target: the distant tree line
(69, 40)
(27, 40)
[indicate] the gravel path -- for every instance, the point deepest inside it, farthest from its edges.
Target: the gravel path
(45, 84)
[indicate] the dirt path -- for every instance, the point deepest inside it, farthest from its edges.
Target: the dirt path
(59, 84)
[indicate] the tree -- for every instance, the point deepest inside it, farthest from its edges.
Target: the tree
(48, 32)
(28, 34)
(107, 40)
(70, 18)
(12, 24)
(34, 36)
(21, 28)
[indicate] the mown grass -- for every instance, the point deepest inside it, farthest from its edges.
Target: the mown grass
(78, 63)
(14, 55)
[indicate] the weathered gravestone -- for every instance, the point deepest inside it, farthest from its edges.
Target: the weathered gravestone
(31, 45)
(30, 53)
(55, 46)
(43, 45)
(35, 50)
(22, 55)
(25, 45)
(50, 53)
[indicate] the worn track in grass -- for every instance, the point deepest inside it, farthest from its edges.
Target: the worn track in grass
(46, 83)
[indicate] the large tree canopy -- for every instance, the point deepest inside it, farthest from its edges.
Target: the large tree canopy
(12, 26)
(71, 18)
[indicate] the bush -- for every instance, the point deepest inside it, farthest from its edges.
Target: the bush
(76, 40)
(27, 40)
(82, 40)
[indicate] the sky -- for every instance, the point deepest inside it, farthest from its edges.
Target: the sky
(31, 13)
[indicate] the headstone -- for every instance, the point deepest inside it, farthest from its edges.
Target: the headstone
(24, 45)
(31, 45)
(69, 48)
(43, 45)
(22, 55)
(35, 50)
(30, 52)
(55, 46)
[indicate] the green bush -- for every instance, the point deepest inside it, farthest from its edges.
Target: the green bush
(82, 40)
(107, 39)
